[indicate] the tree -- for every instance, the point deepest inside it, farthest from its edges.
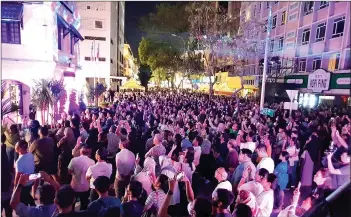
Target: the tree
(42, 97)
(57, 89)
(223, 41)
(144, 75)
(159, 75)
(92, 92)
(7, 106)
(192, 64)
(159, 49)
(159, 54)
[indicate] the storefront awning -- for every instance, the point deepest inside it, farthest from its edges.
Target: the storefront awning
(11, 11)
(76, 34)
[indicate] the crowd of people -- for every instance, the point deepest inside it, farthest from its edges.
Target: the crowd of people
(173, 153)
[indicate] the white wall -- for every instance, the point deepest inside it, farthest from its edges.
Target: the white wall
(98, 11)
(35, 38)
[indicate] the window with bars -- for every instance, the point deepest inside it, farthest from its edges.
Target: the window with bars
(11, 32)
(274, 22)
(308, 7)
(302, 65)
(320, 34)
(306, 36)
(316, 63)
(281, 43)
(98, 24)
(323, 4)
(271, 45)
(290, 34)
(338, 27)
(292, 17)
(283, 18)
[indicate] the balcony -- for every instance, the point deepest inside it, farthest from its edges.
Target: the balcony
(318, 47)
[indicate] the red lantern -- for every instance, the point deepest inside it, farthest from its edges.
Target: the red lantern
(344, 98)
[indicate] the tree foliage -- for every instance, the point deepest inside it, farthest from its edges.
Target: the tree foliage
(144, 75)
(168, 18)
(224, 41)
(7, 106)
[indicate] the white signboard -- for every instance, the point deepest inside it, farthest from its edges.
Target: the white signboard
(318, 81)
(291, 105)
(292, 94)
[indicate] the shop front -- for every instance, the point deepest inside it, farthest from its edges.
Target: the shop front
(321, 87)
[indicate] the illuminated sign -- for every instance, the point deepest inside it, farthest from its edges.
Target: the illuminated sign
(318, 81)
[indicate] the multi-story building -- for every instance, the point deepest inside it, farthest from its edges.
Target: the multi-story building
(311, 36)
(38, 40)
(102, 49)
(130, 63)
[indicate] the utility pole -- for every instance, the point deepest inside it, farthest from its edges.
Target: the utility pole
(265, 63)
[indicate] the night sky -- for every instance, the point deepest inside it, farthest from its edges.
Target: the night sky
(133, 12)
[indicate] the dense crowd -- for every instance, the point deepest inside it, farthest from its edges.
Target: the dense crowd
(175, 154)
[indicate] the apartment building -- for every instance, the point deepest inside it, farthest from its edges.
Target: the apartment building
(38, 40)
(102, 50)
(130, 62)
(310, 35)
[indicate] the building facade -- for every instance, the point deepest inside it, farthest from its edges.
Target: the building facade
(305, 37)
(102, 50)
(130, 63)
(39, 40)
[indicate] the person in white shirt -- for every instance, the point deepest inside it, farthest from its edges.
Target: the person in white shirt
(265, 200)
(24, 165)
(125, 162)
(266, 161)
(197, 149)
(146, 176)
(101, 168)
(78, 167)
(221, 175)
(255, 186)
(249, 143)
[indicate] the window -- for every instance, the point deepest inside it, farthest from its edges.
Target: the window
(265, 26)
(87, 58)
(308, 7)
(11, 32)
(280, 43)
(306, 36)
(302, 65)
(274, 21)
(267, 5)
(338, 27)
(98, 24)
(283, 18)
(88, 7)
(95, 38)
(292, 17)
(316, 63)
(111, 60)
(111, 41)
(290, 34)
(260, 6)
(271, 46)
(294, 6)
(337, 61)
(323, 4)
(275, 2)
(254, 11)
(320, 32)
(102, 59)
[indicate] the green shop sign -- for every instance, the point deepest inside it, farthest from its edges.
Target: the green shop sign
(335, 80)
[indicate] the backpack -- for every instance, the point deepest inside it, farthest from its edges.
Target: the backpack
(108, 211)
